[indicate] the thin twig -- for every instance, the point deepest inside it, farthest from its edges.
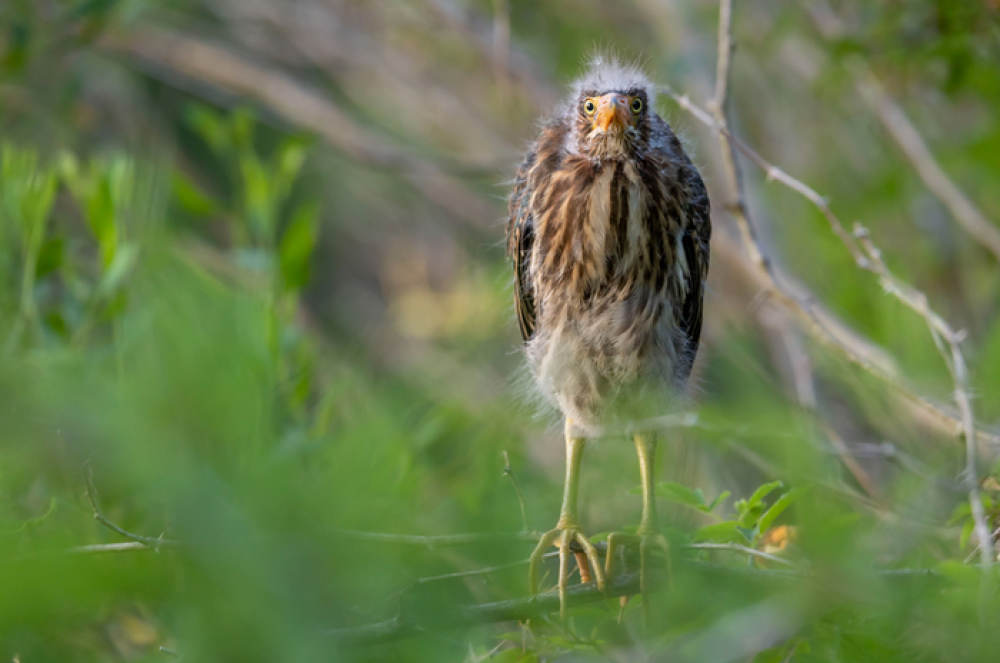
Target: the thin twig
(152, 542)
(947, 341)
(452, 539)
(508, 472)
(434, 541)
(729, 164)
(123, 546)
(735, 547)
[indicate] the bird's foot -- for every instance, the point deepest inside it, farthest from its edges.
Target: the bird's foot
(647, 540)
(563, 536)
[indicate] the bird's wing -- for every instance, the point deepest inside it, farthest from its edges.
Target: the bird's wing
(695, 242)
(520, 236)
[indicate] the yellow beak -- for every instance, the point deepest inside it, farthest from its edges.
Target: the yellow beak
(612, 109)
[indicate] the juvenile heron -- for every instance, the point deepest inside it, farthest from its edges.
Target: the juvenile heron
(608, 231)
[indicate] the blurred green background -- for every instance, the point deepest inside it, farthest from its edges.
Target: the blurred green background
(252, 285)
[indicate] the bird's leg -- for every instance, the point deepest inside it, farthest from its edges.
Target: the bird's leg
(567, 529)
(649, 527)
(648, 533)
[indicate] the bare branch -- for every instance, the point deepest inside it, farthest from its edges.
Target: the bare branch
(947, 342)
(730, 167)
(910, 142)
(212, 64)
(913, 146)
(821, 327)
(866, 255)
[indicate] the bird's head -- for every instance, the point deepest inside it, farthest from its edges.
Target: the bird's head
(610, 111)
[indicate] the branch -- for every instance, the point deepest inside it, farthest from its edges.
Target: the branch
(909, 140)
(205, 63)
(519, 609)
(820, 323)
(799, 362)
(409, 622)
(867, 257)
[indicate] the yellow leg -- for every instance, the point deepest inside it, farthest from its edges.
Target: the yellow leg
(567, 529)
(648, 534)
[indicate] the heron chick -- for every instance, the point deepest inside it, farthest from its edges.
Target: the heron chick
(608, 231)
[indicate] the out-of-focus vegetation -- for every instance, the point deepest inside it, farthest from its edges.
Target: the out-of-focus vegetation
(256, 323)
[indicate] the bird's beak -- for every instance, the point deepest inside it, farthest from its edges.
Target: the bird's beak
(612, 110)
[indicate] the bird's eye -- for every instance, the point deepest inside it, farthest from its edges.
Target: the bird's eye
(589, 107)
(636, 105)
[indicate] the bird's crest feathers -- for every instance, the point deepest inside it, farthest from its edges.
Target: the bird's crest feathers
(607, 73)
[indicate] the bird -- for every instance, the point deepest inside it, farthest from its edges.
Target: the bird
(608, 234)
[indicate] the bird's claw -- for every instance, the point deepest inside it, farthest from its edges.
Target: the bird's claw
(563, 537)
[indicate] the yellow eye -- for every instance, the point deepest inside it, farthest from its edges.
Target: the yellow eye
(589, 107)
(636, 105)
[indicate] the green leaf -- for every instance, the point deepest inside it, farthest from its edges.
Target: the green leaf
(210, 128)
(190, 197)
(116, 272)
(51, 256)
(749, 510)
(296, 246)
(728, 531)
(762, 492)
(722, 497)
(963, 539)
(100, 214)
(242, 129)
(287, 166)
(258, 199)
(775, 510)
(681, 494)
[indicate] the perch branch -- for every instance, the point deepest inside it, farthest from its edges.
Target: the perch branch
(402, 626)
(408, 623)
